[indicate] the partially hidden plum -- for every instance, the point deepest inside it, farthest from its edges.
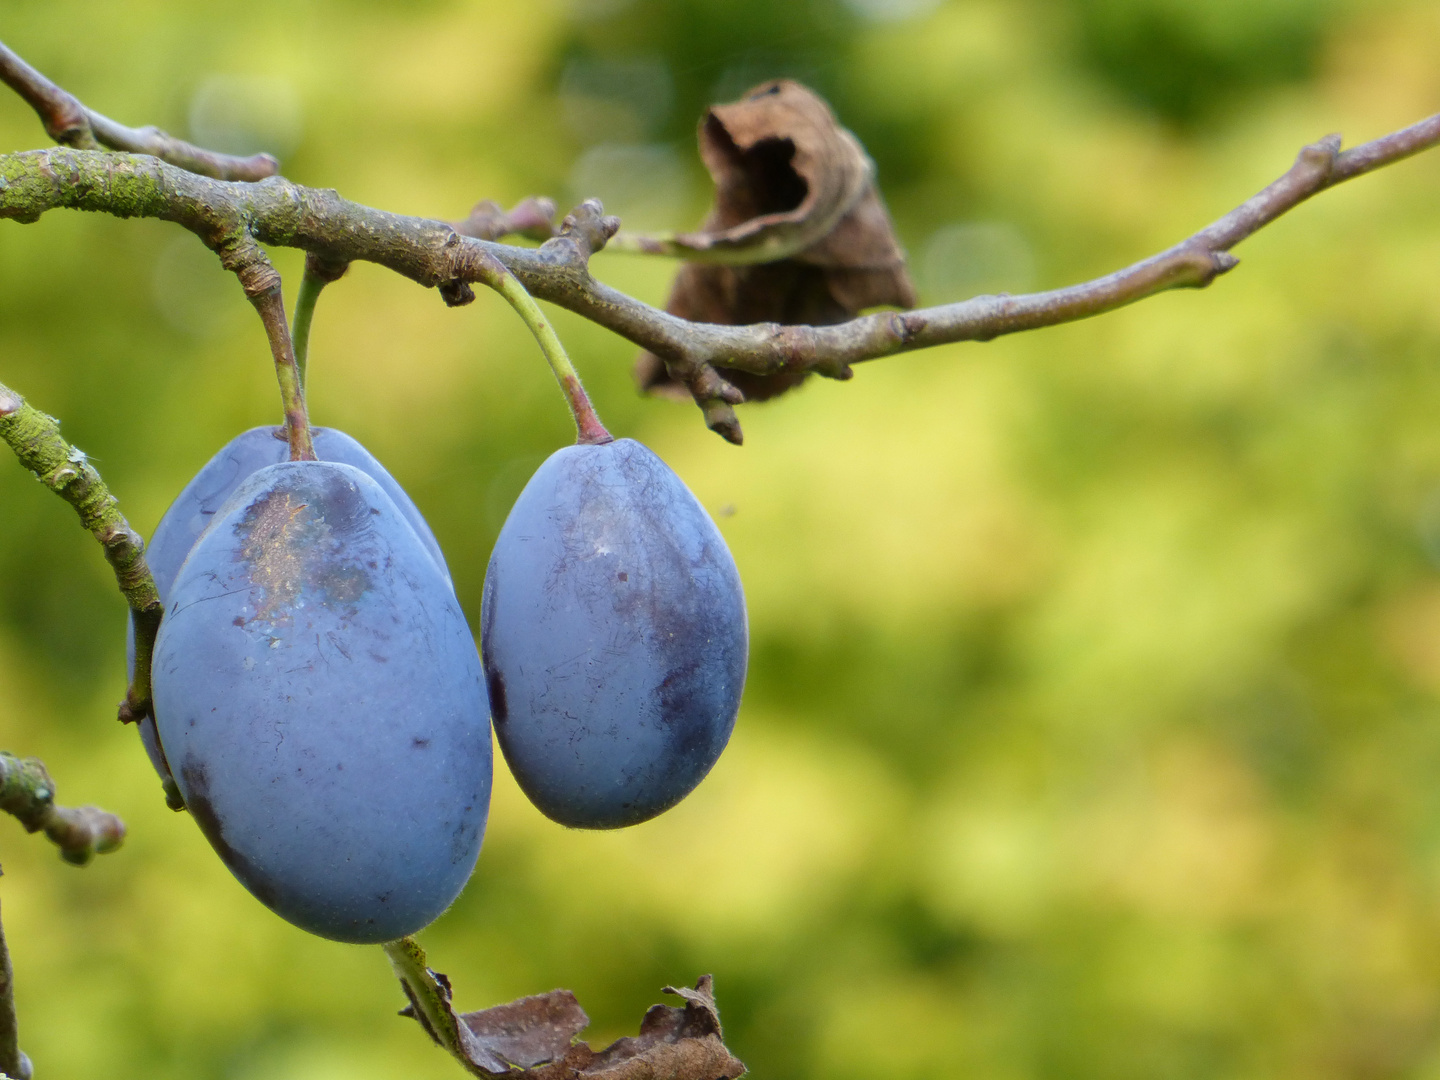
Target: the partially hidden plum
(195, 507)
(320, 700)
(614, 637)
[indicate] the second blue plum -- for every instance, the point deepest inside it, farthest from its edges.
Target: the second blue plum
(614, 637)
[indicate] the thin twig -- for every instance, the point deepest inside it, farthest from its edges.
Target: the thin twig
(28, 794)
(533, 218)
(70, 123)
(35, 438)
(9, 1034)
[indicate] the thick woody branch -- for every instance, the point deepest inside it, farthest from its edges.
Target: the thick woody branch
(28, 794)
(35, 438)
(232, 217)
(70, 123)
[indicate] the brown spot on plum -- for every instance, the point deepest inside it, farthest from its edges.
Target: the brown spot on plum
(287, 540)
(419, 744)
(623, 576)
(277, 535)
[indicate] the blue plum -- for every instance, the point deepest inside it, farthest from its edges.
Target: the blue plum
(614, 637)
(321, 702)
(197, 503)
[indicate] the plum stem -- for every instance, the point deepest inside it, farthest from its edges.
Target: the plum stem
(429, 998)
(318, 273)
(590, 431)
(310, 287)
(271, 306)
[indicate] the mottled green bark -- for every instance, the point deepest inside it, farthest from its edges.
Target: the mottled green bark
(35, 438)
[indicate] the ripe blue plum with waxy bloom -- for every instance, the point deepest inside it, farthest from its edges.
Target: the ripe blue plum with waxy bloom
(322, 707)
(614, 637)
(198, 502)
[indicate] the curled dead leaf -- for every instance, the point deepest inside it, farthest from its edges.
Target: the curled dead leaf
(798, 233)
(536, 1038)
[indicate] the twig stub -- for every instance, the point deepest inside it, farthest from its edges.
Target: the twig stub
(28, 794)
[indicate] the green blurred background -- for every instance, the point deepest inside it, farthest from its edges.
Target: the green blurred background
(1093, 722)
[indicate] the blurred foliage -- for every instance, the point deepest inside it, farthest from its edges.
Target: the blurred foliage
(1187, 61)
(1094, 715)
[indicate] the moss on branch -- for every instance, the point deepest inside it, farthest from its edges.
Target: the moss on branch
(35, 438)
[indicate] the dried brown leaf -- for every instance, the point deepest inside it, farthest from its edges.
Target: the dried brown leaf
(535, 1038)
(792, 184)
(785, 173)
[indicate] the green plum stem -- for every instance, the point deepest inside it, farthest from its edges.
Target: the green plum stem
(318, 273)
(310, 286)
(590, 431)
(428, 998)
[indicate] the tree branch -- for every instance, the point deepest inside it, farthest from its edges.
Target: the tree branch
(65, 470)
(232, 217)
(70, 123)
